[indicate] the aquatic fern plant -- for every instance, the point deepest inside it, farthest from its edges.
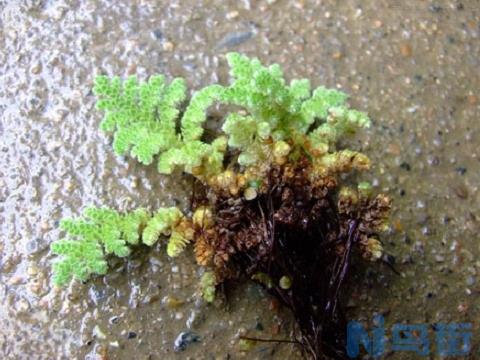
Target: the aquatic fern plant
(272, 209)
(103, 231)
(142, 116)
(274, 116)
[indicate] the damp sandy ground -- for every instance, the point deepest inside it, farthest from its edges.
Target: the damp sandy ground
(412, 65)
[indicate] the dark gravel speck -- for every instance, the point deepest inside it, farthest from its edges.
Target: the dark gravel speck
(435, 8)
(406, 166)
(184, 339)
(234, 39)
(157, 34)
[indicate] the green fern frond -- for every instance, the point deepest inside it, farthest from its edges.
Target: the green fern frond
(259, 89)
(161, 224)
(133, 224)
(142, 115)
(187, 157)
(300, 89)
(321, 101)
(79, 260)
(207, 286)
(176, 244)
(167, 161)
(103, 231)
(341, 121)
(99, 232)
(241, 130)
(196, 112)
(106, 226)
(283, 112)
(214, 163)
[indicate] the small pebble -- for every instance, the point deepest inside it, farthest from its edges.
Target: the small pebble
(337, 55)
(461, 190)
(435, 8)
(470, 280)
(300, 4)
(461, 170)
(36, 68)
(134, 183)
(234, 38)
(232, 15)
(192, 320)
(433, 160)
(132, 69)
(184, 339)
(472, 99)
(406, 50)
(32, 270)
(406, 166)
(179, 315)
(172, 302)
(377, 24)
(45, 226)
(69, 186)
(157, 34)
(168, 46)
(131, 335)
(32, 246)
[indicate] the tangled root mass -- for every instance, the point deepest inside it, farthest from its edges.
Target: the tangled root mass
(302, 230)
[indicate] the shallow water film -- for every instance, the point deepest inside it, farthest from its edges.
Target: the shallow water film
(412, 65)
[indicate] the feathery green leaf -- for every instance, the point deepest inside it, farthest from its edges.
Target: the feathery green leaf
(141, 115)
(99, 232)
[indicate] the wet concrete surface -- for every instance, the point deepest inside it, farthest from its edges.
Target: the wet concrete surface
(413, 66)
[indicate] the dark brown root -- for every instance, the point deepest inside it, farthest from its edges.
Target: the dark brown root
(296, 230)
